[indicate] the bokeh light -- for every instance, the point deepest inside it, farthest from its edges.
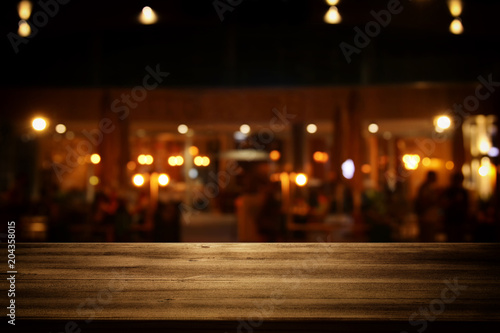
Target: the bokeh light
(138, 180)
(332, 16)
(373, 128)
(148, 16)
(274, 155)
(24, 9)
(320, 157)
(141, 159)
(301, 179)
(366, 168)
(163, 179)
(443, 122)
(24, 29)
(95, 158)
(193, 151)
(456, 27)
(311, 128)
(245, 129)
(411, 161)
(94, 180)
(60, 128)
(182, 128)
(131, 165)
(39, 124)
(348, 169)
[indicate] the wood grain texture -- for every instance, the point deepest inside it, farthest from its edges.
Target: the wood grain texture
(349, 284)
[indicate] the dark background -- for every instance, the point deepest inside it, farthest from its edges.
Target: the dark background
(259, 43)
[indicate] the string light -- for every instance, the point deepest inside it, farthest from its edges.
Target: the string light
(24, 9)
(456, 27)
(148, 16)
(332, 16)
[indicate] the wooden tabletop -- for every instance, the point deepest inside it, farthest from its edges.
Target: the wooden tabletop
(247, 287)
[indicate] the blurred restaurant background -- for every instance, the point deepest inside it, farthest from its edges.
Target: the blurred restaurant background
(267, 121)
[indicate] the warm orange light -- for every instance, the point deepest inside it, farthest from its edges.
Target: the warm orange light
(95, 158)
(148, 16)
(39, 124)
(182, 128)
(411, 161)
(320, 157)
(149, 159)
(193, 150)
(175, 160)
(274, 155)
(455, 7)
(24, 29)
(301, 179)
(456, 27)
(163, 179)
(484, 146)
(201, 161)
(138, 180)
(443, 122)
(198, 160)
(373, 128)
(24, 9)
(94, 180)
(449, 165)
(245, 129)
(483, 170)
(312, 128)
(131, 165)
(60, 128)
(332, 16)
(142, 159)
(366, 168)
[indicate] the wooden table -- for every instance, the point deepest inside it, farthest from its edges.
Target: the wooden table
(253, 287)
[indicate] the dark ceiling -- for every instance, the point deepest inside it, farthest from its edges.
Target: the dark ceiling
(261, 42)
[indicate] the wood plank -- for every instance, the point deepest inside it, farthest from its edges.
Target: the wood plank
(227, 284)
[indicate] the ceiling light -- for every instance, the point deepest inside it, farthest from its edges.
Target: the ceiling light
(24, 9)
(332, 16)
(456, 27)
(455, 7)
(148, 16)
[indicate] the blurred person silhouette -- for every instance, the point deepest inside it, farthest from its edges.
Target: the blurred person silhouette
(122, 222)
(270, 220)
(167, 221)
(456, 209)
(341, 198)
(104, 207)
(142, 224)
(374, 213)
(427, 208)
